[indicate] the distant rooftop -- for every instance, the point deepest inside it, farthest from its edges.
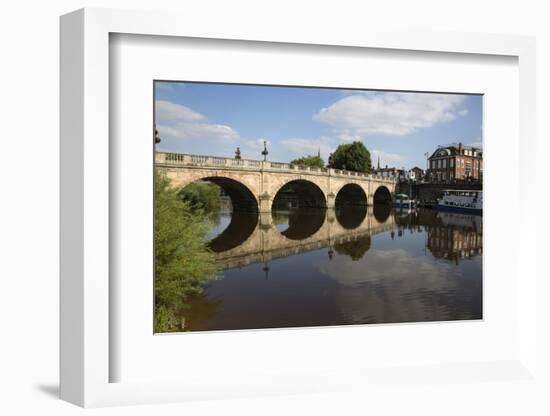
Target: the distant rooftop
(455, 144)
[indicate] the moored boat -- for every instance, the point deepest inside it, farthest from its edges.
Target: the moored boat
(460, 200)
(403, 201)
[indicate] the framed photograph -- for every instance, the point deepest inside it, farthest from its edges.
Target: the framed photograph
(281, 213)
(327, 233)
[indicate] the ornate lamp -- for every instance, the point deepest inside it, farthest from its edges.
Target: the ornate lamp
(157, 137)
(265, 152)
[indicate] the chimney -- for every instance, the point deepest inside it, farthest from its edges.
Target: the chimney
(460, 147)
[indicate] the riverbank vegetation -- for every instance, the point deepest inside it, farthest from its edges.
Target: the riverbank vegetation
(183, 262)
(202, 197)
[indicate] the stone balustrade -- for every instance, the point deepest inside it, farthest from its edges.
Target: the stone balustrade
(169, 158)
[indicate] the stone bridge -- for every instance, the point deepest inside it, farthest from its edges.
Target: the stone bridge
(253, 185)
(261, 241)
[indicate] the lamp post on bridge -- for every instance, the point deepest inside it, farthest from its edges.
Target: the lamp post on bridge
(427, 163)
(265, 152)
(157, 137)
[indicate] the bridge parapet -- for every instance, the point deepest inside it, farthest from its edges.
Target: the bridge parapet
(190, 160)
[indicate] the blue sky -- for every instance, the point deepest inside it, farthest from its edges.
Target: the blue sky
(213, 119)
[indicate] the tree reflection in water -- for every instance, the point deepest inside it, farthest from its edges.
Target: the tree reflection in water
(355, 249)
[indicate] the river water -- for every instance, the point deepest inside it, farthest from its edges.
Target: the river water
(311, 267)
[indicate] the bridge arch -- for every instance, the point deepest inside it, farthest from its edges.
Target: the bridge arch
(242, 197)
(351, 194)
(301, 193)
(382, 195)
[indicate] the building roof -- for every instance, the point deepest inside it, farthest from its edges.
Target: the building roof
(455, 144)
(387, 169)
(454, 149)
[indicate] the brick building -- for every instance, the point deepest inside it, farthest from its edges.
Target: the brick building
(416, 174)
(455, 163)
(388, 172)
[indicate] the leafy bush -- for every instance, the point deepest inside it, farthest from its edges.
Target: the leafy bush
(202, 196)
(183, 262)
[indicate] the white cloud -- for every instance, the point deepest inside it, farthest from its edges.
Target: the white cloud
(390, 113)
(257, 144)
(349, 137)
(389, 265)
(167, 111)
(178, 122)
(298, 147)
(390, 159)
(169, 88)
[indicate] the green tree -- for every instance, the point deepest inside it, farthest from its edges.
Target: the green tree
(355, 249)
(202, 196)
(309, 161)
(183, 262)
(352, 156)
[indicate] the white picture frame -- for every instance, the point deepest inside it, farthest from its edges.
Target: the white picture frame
(85, 208)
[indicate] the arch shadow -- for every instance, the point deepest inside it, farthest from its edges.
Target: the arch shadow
(381, 212)
(244, 215)
(299, 193)
(351, 194)
(382, 195)
(240, 228)
(303, 222)
(351, 217)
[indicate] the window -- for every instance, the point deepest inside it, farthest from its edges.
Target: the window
(444, 163)
(452, 163)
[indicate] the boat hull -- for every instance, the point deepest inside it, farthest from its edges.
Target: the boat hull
(404, 203)
(464, 210)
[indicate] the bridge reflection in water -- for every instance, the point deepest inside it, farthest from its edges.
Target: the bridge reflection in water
(250, 238)
(349, 265)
